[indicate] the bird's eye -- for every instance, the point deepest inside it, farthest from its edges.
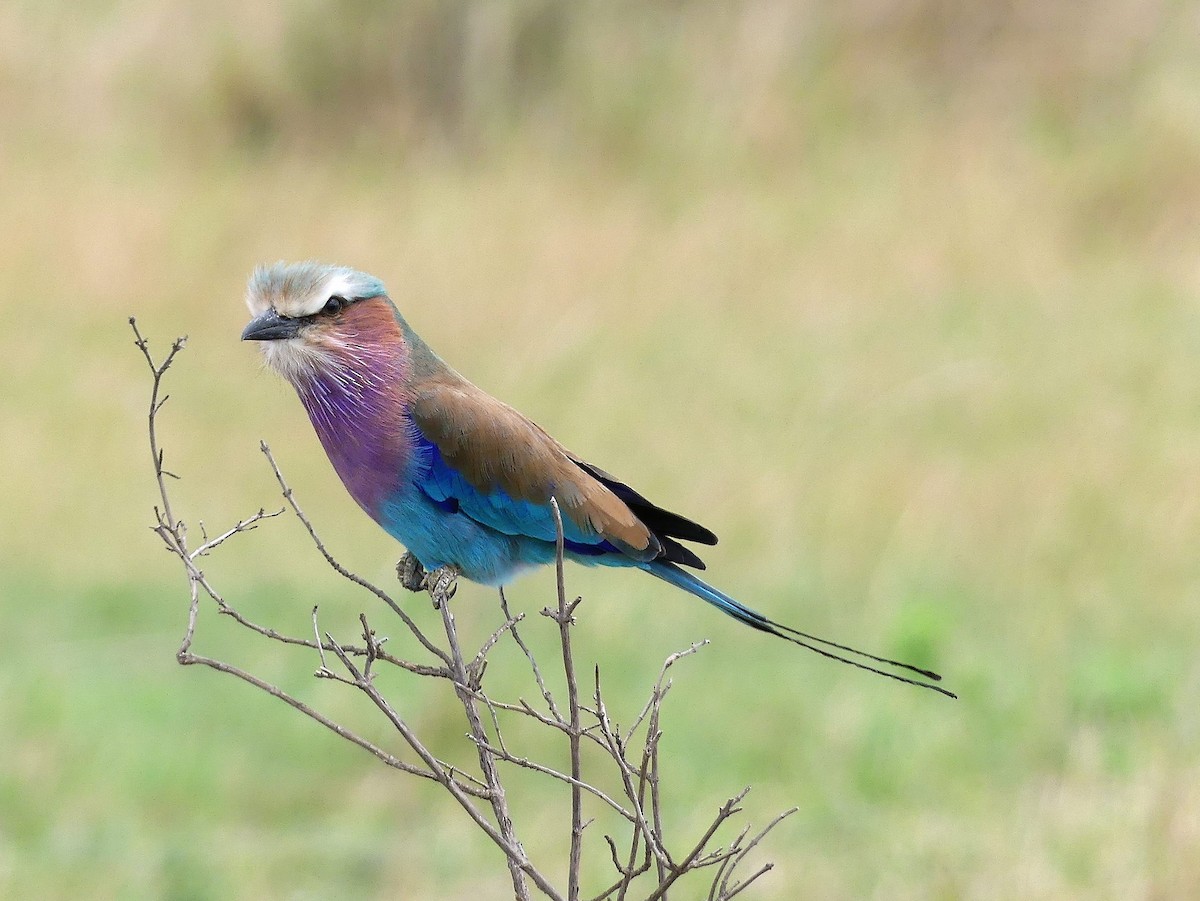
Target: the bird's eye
(334, 305)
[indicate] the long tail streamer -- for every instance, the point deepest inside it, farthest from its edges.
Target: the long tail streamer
(680, 578)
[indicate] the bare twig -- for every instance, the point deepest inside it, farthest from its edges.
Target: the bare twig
(341, 570)
(637, 766)
(728, 809)
(537, 673)
(156, 404)
(565, 620)
(662, 686)
(332, 726)
(727, 891)
(247, 524)
(630, 780)
(517, 864)
(502, 754)
(479, 663)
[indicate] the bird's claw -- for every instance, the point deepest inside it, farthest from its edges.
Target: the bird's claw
(411, 573)
(442, 583)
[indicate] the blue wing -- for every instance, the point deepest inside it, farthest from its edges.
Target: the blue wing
(496, 509)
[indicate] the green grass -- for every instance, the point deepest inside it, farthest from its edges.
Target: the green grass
(904, 311)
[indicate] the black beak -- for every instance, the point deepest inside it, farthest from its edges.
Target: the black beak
(270, 326)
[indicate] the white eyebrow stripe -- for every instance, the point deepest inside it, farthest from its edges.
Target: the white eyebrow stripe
(310, 305)
(317, 300)
(341, 285)
(336, 285)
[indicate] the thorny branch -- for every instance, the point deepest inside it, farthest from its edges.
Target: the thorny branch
(639, 857)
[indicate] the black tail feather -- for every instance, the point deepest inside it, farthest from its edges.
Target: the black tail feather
(659, 521)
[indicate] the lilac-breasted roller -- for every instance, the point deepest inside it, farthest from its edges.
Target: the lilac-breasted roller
(460, 478)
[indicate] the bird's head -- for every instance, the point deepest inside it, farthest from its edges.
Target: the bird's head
(311, 316)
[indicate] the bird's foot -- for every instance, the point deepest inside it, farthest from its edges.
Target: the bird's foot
(411, 573)
(442, 583)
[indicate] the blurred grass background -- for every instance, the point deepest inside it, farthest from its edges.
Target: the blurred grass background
(899, 296)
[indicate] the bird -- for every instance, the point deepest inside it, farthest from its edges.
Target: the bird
(460, 478)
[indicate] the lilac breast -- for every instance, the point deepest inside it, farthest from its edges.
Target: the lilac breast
(358, 410)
